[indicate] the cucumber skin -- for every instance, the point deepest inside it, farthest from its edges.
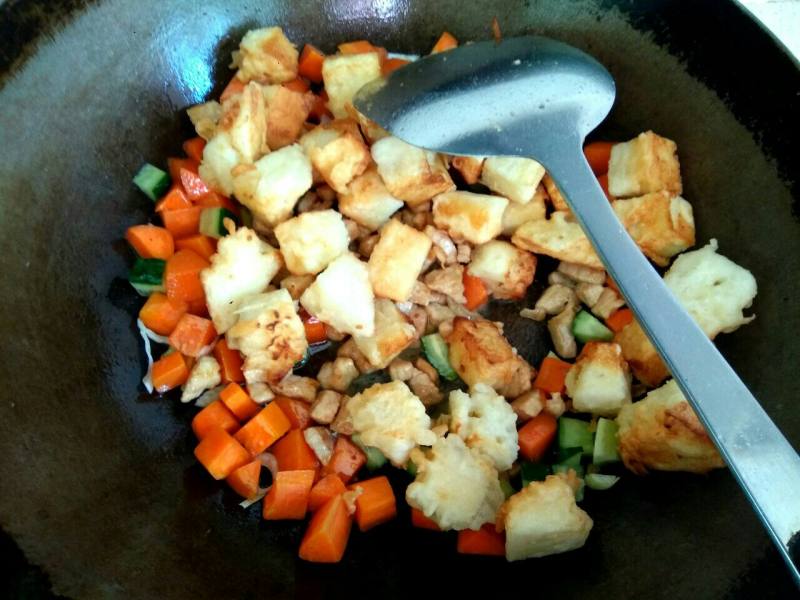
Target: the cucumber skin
(435, 349)
(152, 181)
(588, 328)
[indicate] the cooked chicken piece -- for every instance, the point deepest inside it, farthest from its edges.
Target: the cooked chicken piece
(350, 350)
(337, 374)
(589, 293)
(528, 405)
(558, 278)
(401, 370)
(463, 253)
(608, 302)
(442, 244)
(534, 314)
(555, 299)
(423, 295)
(555, 405)
(326, 406)
(427, 368)
(419, 319)
(581, 273)
(560, 328)
(425, 388)
(438, 313)
(448, 281)
(260, 393)
(312, 202)
(204, 376)
(320, 440)
(302, 388)
(367, 244)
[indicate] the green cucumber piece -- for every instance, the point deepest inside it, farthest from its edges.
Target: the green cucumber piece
(605, 442)
(598, 481)
(147, 275)
(152, 181)
(573, 433)
(211, 221)
(573, 461)
(375, 458)
(587, 328)
(411, 468)
(437, 353)
(531, 471)
(508, 489)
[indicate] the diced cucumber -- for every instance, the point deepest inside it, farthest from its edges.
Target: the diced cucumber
(605, 442)
(531, 471)
(581, 488)
(437, 353)
(147, 275)
(508, 489)
(573, 433)
(587, 328)
(598, 481)
(375, 458)
(572, 462)
(411, 468)
(211, 221)
(152, 181)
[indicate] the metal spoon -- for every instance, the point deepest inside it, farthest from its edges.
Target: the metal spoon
(539, 98)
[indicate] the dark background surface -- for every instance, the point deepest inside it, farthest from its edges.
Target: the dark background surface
(98, 488)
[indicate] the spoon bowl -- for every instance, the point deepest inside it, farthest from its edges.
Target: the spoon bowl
(537, 98)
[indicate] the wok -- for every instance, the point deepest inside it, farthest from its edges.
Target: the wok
(101, 496)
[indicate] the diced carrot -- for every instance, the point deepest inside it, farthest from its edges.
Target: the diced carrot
(288, 496)
(169, 372)
(474, 291)
(392, 64)
(603, 181)
(214, 416)
(220, 454)
(230, 362)
(182, 222)
(298, 84)
(537, 435)
(213, 200)
(182, 275)
(151, 241)
(235, 86)
(619, 319)
(297, 411)
(196, 189)
(239, 402)
(176, 164)
(418, 519)
(360, 47)
(552, 374)
(486, 541)
(346, 460)
(192, 335)
(201, 244)
(310, 63)
(194, 147)
(597, 155)
(293, 453)
(325, 489)
(244, 480)
(315, 329)
(445, 42)
(174, 199)
(326, 538)
(496, 33)
(161, 314)
(375, 504)
(264, 429)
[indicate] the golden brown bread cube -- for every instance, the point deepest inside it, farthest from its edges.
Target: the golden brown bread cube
(559, 237)
(641, 355)
(393, 334)
(662, 432)
(647, 163)
(397, 259)
(286, 114)
(480, 354)
(476, 218)
(468, 166)
(267, 55)
(411, 174)
(367, 200)
(344, 75)
(661, 224)
(504, 268)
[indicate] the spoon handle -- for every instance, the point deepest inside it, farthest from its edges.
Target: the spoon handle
(762, 460)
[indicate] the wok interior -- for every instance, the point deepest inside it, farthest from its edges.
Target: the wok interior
(101, 489)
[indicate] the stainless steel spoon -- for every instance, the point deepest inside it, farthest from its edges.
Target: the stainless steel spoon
(539, 98)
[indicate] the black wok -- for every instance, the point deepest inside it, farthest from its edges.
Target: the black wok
(101, 496)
